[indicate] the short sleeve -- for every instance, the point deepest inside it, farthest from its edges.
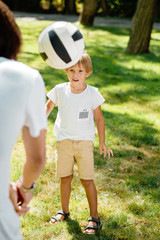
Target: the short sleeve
(52, 95)
(97, 99)
(36, 118)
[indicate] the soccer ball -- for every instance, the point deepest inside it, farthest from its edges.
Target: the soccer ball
(61, 45)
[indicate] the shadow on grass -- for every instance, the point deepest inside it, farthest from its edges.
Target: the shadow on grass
(132, 171)
(136, 166)
(131, 130)
(126, 175)
(115, 227)
(119, 31)
(118, 227)
(75, 231)
(101, 162)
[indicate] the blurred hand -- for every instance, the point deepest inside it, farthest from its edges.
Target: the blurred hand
(14, 196)
(23, 197)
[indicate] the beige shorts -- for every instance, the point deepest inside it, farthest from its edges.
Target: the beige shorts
(67, 151)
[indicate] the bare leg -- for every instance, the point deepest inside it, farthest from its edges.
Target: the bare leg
(65, 188)
(91, 194)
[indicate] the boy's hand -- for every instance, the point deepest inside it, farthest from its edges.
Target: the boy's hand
(106, 150)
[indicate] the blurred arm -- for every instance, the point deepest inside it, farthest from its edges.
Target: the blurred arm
(34, 164)
(35, 156)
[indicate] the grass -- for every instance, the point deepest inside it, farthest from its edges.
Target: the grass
(128, 184)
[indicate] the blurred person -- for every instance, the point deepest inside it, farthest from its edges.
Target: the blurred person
(22, 103)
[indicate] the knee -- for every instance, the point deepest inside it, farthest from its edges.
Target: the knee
(87, 183)
(65, 180)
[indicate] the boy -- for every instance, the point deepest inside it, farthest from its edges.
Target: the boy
(78, 105)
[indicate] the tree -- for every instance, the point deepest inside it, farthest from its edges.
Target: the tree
(141, 28)
(104, 7)
(88, 13)
(70, 7)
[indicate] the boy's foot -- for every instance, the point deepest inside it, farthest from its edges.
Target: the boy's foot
(93, 226)
(60, 216)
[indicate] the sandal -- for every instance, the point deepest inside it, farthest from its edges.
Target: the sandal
(63, 213)
(96, 228)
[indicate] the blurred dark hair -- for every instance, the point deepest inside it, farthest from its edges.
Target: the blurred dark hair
(10, 35)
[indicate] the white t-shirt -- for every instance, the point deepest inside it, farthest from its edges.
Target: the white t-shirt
(22, 102)
(75, 118)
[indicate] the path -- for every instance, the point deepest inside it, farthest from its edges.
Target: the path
(98, 21)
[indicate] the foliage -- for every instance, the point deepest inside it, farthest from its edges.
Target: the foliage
(25, 5)
(121, 8)
(118, 8)
(128, 184)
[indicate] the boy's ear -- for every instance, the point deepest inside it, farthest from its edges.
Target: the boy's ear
(89, 73)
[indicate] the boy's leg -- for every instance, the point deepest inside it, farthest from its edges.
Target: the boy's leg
(65, 188)
(64, 164)
(91, 194)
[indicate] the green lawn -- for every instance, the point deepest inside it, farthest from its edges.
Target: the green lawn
(128, 184)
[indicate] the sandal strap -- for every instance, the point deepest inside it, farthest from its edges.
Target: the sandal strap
(91, 227)
(96, 228)
(63, 213)
(96, 220)
(56, 218)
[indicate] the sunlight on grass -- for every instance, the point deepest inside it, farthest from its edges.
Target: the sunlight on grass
(128, 184)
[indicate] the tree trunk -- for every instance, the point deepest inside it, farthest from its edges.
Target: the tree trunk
(141, 28)
(70, 7)
(88, 13)
(104, 7)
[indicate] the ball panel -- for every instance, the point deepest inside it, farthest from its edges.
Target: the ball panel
(59, 47)
(52, 57)
(43, 55)
(77, 35)
(71, 28)
(67, 41)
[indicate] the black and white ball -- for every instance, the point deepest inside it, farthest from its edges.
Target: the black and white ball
(61, 45)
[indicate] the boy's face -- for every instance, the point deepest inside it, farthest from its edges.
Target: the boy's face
(77, 74)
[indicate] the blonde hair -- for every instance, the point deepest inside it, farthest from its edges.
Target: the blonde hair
(86, 62)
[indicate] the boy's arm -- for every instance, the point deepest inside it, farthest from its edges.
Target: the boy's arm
(49, 106)
(100, 123)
